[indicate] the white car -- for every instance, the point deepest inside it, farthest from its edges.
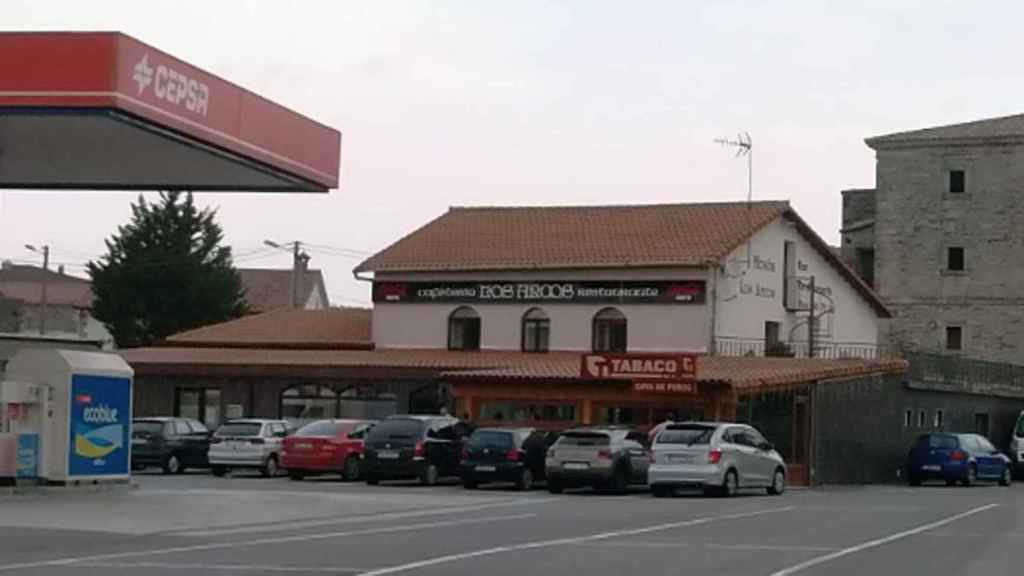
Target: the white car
(252, 443)
(719, 457)
(1017, 447)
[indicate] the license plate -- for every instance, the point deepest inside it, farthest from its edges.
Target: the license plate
(931, 468)
(303, 446)
(485, 468)
(138, 441)
(576, 466)
(387, 455)
(680, 458)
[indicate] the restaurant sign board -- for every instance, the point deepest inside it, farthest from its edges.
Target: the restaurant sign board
(534, 292)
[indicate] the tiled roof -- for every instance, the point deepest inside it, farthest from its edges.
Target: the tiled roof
(519, 238)
(743, 373)
(1004, 127)
(268, 289)
(10, 272)
(77, 294)
(287, 327)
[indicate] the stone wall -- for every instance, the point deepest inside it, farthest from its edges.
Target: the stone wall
(858, 230)
(917, 219)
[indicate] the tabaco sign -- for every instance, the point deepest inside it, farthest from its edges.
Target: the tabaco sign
(578, 292)
(640, 367)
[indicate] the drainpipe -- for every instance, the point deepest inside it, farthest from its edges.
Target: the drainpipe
(713, 294)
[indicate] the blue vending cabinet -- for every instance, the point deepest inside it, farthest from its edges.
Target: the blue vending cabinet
(99, 426)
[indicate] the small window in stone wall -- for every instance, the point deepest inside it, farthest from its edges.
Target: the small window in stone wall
(938, 419)
(955, 258)
(957, 181)
(954, 338)
(908, 418)
(922, 417)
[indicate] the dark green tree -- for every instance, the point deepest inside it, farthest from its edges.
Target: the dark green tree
(165, 272)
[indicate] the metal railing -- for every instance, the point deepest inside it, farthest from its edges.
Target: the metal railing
(826, 350)
(932, 367)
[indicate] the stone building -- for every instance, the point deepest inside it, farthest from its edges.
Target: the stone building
(940, 237)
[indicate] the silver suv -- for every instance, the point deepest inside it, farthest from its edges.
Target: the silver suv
(611, 458)
(251, 443)
(720, 457)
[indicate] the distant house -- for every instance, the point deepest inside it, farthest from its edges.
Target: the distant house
(268, 289)
(69, 305)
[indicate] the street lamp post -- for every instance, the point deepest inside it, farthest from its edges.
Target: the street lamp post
(297, 265)
(45, 280)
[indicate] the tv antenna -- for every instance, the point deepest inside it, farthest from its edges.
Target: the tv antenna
(744, 147)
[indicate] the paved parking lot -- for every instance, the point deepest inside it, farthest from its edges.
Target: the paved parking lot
(196, 524)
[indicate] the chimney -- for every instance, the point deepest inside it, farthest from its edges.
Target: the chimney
(60, 269)
(6, 265)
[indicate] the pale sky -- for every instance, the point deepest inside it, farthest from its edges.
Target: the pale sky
(521, 103)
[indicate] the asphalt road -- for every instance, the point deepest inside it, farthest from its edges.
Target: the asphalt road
(196, 524)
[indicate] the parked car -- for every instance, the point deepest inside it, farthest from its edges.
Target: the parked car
(513, 455)
(250, 443)
(718, 457)
(964, 458)
(609, 458)
(173, 444)
(1017, 447)
(326, 447)
(427, 448)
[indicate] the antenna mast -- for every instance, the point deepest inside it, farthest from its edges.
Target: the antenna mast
(744, 147)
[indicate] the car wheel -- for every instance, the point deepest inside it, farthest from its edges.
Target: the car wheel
(525, 481)
(731, 486)
(972, 475)
(172, 465)
(1007, 478)
(778, 483)
(469, 484)
(429, 475)
(350, 471)
(296, 476)
(219, 471)
(555, 487)
(660, 491)
(913, 479)
(949, 482)
(270, 468)
(619, 482)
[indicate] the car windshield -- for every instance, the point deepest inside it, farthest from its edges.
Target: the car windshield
(492, 439)
(147, 427)
(398, 429)
(584, 439)
(240, 429)
(941, 441)
(688, 435)
(323, 428)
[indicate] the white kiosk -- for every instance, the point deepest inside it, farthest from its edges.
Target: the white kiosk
(74, 409)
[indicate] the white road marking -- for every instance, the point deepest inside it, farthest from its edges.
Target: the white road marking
(381, 517)
(564, 541)
(259, 542)
(221, 567)
(879, 541)
(671, 545)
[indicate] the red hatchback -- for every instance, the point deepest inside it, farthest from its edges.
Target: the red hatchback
(326, 447)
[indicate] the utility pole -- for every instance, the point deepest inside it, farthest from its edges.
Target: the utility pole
(45, 281)
(810, 324)
(296, 263)
(299, 259)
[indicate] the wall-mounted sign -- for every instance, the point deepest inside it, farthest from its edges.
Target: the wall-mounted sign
(664, 387)
(673, 367)
(574, 292)
(100, 413)
(28, 456)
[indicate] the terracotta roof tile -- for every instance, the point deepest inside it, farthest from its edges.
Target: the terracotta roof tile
(287, 327)
(576, 237)
(76, 294)
(268, 288)
(743, 373)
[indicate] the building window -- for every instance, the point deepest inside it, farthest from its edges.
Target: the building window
(866, 265)
(981, 424)
(307, 403)
(609, 333)
(464, 329)
(922, 417)
(954, 338)
(536, 331)
(955, 258)
(201, 404)
(938, 419)
(908, 418)
(957, 181)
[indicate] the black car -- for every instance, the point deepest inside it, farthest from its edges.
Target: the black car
(427, 448)
(514, 455)
(172, 444)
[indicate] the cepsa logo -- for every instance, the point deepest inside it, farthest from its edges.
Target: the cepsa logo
(172, 86)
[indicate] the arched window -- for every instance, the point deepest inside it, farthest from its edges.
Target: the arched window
(464, 329)
(308, 402)
(536, 329)
(609, 333)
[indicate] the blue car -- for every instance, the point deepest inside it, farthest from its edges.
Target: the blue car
(964, 458)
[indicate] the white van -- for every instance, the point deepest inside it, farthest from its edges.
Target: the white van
(1017, 446)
